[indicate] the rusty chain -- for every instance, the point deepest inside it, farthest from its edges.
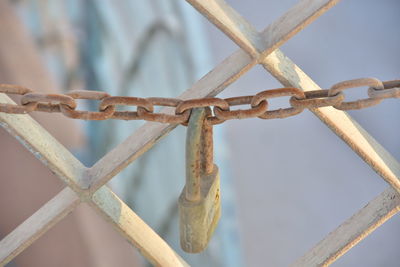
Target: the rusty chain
(221, 111)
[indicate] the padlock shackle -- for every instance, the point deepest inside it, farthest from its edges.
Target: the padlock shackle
(199, 151)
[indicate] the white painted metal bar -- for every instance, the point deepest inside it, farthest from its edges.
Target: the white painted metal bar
(301, 14)
(243, 33)
(134, 229)
(353, 230)
(211, 84)
(37, 224)
(231, 23)
(44, 146)
(282, 68)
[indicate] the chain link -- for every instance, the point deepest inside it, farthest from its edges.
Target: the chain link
(282, 112)
(178, 111)
(102, 114)
(317, 99)
(163, 117)
(391, 90)
(254, 111)
(15, 90)
(361, 103)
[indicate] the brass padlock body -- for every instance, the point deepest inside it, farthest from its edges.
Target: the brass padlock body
(199, 202)
(199, 219)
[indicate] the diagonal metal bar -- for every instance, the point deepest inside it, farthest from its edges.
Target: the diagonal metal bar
(37, 140)
(134, 229)
(303, 13)
(232, 24)
(65, 165)
(353, 230)
(37, 224)
(282, 68)
(211, 84)
(244, 34)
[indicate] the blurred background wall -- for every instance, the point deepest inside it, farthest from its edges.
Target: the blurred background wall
(285, 183)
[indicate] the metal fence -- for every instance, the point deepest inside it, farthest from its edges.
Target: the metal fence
(88, 184)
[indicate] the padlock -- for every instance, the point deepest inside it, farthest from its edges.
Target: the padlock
(199, 202)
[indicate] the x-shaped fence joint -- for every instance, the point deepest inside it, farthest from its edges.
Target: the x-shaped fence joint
(256, 48)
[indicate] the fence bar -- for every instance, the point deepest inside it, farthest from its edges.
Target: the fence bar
(282, 68)
(43, 145)
(134, 229)
(243, 33)
(211, 84)
(353, 230)
(231, 23)
(301, 15)
(37, 224)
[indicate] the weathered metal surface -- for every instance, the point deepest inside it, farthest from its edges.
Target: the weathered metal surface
(199, 218)
(199, 202)
(391, 90)
(254, 111)
(16, 90)
(281, 112)
(231, 23)
(361, 103)
(259, 45)
(44, 146)
(134, 229)
(199, 152)
(317, 99)
(71, 112)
